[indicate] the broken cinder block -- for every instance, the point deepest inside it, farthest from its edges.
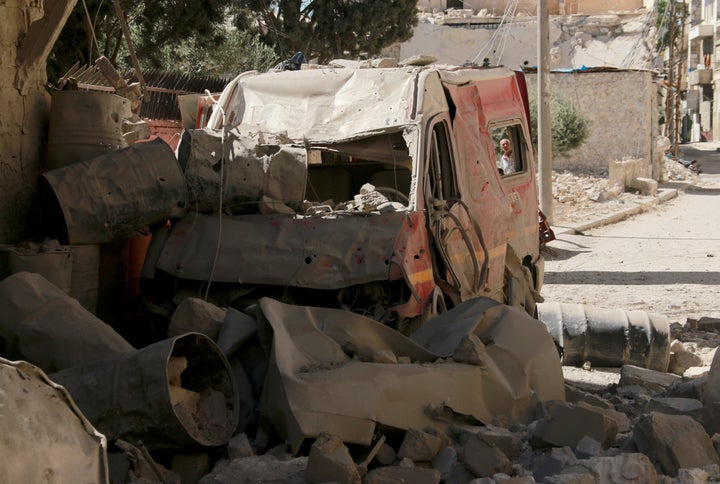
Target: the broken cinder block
(330, 461)
(419, 446)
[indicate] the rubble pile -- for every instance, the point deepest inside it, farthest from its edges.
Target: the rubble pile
(649, 426)
(579, 195)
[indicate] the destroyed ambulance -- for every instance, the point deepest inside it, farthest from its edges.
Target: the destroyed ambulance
(376, 190)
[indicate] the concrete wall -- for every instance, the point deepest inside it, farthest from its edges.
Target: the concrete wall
(28, 29)
(555, 7)
(623, 114)
(622, 41)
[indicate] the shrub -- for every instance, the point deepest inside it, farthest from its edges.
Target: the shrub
(569, 126)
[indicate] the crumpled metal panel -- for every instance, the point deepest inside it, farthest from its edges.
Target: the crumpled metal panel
(328, 252)
(314, 385)
(251, 169)
(113, 195)
(46, 438)
(320, 104)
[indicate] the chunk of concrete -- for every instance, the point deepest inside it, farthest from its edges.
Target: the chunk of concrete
(445, 462)
(566, 424)
(419, 446)
(711, 394)
(676, 406)
(264, 468)
(330, 461)
(239, 446)
(654, 381)
(484, 459)
(193, 315)
(626, 468)
(393, 474)
(471, 350)
(680, 361)
(676, 441)
(386, 455)
(646, 186)
(553, 463)
(502, 438)
(622, 420)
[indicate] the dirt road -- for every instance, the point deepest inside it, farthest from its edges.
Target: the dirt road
(666, 260)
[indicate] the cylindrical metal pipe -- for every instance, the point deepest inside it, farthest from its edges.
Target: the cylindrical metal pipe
(607, 337)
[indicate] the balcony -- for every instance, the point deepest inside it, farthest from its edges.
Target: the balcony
(699, 76)
(701, 31)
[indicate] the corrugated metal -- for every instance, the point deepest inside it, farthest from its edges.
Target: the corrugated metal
(162, 88)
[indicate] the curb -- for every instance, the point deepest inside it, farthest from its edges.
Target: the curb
(664, 194)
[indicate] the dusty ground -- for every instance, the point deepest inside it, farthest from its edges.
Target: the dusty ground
(663, 260)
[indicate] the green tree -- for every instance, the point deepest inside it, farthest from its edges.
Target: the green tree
(328, 29)
(569, 126)
(155, 25)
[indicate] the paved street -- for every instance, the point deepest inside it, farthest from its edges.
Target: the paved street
(665, 260)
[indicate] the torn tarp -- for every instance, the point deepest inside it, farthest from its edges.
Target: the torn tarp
(321, 375)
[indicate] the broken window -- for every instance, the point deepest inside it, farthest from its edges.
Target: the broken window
(510, 148)
(338, 172)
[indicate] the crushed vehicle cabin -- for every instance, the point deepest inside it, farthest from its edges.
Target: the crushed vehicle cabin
(375, 190)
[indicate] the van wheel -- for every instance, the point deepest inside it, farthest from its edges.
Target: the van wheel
(518, 290)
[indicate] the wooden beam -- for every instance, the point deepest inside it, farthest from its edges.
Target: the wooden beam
(42, 34)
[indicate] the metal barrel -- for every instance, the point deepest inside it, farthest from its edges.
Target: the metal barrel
(84, 125)
(607, 337)
(172, 394)
(113, 195)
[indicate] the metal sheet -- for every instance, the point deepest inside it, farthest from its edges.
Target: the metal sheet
(320, 104)
(45, 437)
(327, 252)
(313, 385)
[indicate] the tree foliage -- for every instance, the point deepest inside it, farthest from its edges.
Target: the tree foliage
(328, 29)
(193, 35)
(154, 25)
(569, 126)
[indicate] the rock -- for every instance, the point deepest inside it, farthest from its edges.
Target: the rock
(330, 461)
(484, 459)
(711, 394)
(655, 381)
(262, 468)
(566, 424)
(588, 447)
(676, 441)
(395, 474)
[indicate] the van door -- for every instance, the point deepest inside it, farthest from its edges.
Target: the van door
(459, 256)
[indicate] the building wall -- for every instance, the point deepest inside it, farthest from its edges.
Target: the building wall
(555, 7)
(621, 106)
(575, 41)
(28, 29)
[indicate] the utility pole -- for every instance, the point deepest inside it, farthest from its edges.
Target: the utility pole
(669, 104)
(544, 128)
(678, 83)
